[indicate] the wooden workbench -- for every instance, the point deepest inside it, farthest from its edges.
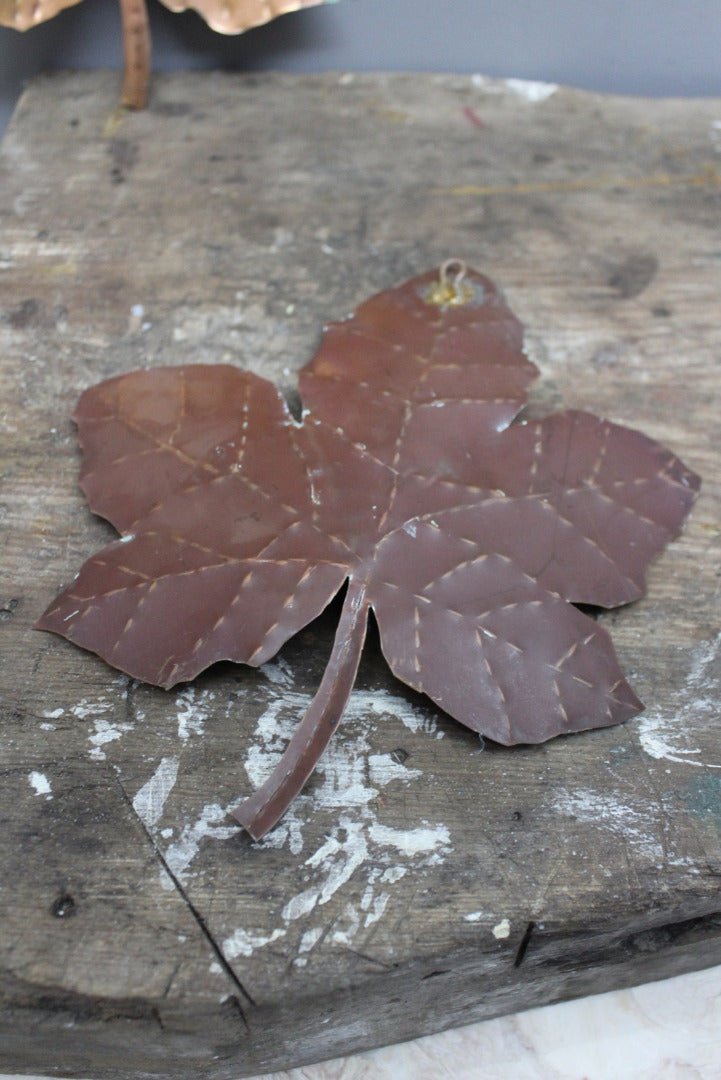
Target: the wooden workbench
(422, 881)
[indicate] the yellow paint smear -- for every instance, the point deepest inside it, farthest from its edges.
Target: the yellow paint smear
(115, 121)
(708, 177)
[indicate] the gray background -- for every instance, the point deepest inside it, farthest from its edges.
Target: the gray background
(653, 47)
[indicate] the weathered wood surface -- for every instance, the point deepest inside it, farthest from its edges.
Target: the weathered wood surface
(422, 881)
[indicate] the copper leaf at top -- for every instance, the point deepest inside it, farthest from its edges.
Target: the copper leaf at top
(471, 537)
(225, 16)
(235, 16)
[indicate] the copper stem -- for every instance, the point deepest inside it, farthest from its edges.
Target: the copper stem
(136, 47)
(264, 809)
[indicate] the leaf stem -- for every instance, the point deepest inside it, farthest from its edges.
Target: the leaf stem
(136, 46)
(264, 809)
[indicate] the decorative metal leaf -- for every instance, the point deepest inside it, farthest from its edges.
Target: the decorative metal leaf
(224, 16)
(235, 16)
(469, 536)
(24, 14)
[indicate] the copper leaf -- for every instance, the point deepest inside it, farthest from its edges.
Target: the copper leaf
(471, 537)
(225, 16)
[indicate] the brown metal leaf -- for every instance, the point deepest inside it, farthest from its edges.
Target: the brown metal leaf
(224, 16)
(469, 536)
(235, 16)
(24, 14)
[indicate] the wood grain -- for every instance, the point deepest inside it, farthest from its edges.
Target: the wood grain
(424, 880)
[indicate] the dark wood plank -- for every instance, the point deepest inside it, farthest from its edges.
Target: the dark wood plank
(422, 880)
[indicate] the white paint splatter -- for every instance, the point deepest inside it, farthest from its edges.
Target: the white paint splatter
(278, 672)
(415, 719)
(380, 903)
(192, 706)
(349, 782)
(105, 731)
(351, 920)
(244, 942)
(670, 738)
(528, 89)
(40, 784)
(502, 929)
(85, 708)
(383, 770)
(310, 938)
(531, 91)
(274, 728)
(393, 874)
(705, 656)
(716, 135)
(341, 854)
(210, 824)
(300, 905)
(655, 733)
(474, 916)
(149, 801)
(411, 842)
(611, 814)
(351, 776)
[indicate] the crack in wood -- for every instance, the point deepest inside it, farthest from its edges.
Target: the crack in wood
(523, 944)
(196, 914)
